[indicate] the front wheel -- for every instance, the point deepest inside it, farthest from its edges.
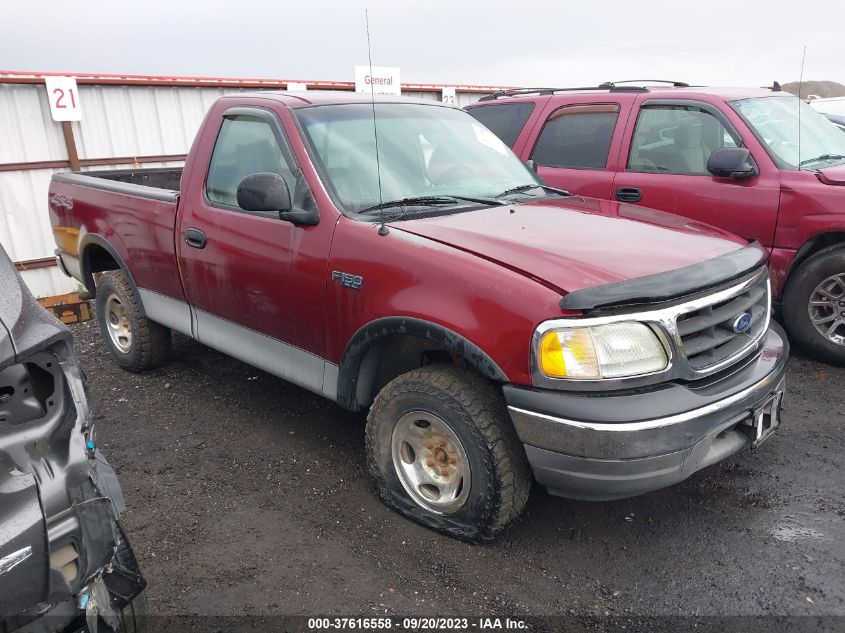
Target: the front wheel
(443, 452)
(814, 305)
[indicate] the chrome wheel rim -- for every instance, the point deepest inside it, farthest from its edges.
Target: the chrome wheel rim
(827, 308)
(117, 324)
(431, 462)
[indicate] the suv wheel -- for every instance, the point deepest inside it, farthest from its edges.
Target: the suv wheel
(443, 452)
(814, 305)
(135, 342)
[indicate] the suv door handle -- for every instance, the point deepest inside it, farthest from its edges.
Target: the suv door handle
(629, 194)
(195, 238)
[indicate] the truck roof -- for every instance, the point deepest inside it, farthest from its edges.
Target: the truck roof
(330, 97)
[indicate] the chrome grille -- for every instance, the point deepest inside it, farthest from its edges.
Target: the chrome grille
(698, 334)
(707, 334)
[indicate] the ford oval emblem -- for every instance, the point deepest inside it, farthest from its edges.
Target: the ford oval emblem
(742, 323)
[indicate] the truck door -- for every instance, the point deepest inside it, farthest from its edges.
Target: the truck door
(256, 283)
(573, 147)
(664, 166)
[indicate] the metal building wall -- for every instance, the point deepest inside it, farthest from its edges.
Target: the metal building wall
(144, 121)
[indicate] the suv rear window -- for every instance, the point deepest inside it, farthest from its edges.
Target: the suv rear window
(505, 121)
(577, 137)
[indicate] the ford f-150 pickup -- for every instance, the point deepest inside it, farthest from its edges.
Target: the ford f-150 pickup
(395, 256)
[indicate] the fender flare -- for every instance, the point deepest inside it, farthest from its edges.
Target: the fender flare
(93, 239)
(439, 335)
(813, 245)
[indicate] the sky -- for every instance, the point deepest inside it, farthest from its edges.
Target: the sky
(495, 42)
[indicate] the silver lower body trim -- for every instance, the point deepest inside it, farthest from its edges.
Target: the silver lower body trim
(276, 357)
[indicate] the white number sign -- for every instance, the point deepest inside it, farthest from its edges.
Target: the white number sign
(64, 98)
(448, 95)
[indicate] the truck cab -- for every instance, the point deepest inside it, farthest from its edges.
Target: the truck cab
(759, 163)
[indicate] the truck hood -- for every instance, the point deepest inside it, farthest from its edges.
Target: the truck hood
(576, 243)
(834, 175)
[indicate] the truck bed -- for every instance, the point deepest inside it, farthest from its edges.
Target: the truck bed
(135, 208)
(158, 183)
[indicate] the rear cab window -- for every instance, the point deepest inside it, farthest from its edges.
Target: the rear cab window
(577, 137)
(505, 120)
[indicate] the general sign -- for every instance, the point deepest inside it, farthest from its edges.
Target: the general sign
(381, 80)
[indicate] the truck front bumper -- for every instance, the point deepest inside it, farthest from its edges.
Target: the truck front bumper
(600, 446)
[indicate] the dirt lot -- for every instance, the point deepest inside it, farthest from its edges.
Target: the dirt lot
(248, 495)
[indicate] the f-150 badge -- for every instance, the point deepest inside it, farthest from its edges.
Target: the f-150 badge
(348, 280)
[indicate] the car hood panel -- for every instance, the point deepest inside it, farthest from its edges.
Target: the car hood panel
(578, 243)
(24, 326)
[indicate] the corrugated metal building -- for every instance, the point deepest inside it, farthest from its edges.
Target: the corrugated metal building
(127, 121)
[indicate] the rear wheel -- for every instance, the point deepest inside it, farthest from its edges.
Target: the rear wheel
(135, 342)
(814, 305)
(443, 452)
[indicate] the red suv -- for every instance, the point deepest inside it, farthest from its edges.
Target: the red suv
(757, 162)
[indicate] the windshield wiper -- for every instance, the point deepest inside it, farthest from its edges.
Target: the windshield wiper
(523, 188)
(428, 201)
(818, 159)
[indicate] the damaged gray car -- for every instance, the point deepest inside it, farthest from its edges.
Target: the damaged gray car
(65, 564)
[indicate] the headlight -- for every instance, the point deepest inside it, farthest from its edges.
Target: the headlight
(601, 351)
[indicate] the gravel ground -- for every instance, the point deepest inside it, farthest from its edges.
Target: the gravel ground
(247, 495)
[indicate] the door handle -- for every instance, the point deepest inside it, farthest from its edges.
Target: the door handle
(195, 238)
(629, 194)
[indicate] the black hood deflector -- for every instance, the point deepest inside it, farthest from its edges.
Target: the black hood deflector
(673, 284)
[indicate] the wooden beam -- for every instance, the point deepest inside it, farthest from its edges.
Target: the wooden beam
(70, 144)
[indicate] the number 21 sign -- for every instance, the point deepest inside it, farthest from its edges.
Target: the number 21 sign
(64, 98)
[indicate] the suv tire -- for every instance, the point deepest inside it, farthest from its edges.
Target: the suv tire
(820, 280)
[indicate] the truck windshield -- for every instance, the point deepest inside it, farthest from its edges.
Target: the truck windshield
(423, 152)
(775, 121)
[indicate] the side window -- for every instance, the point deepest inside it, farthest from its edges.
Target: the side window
(245, 145)
(505, 121)
(673, 139)
(577, 137)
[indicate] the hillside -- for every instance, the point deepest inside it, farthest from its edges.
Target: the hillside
(820, 88)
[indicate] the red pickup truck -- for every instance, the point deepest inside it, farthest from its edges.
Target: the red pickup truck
(395, 256)
(759, 163)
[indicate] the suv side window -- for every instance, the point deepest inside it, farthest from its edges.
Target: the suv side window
(577, 137)
(245, 145)
(676, 139)
(505, 121)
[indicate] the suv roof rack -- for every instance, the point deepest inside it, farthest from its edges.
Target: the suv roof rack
(612, 86)
(674, 84)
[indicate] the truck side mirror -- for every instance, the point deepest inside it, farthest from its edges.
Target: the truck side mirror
(732, 162)
(264, 192)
